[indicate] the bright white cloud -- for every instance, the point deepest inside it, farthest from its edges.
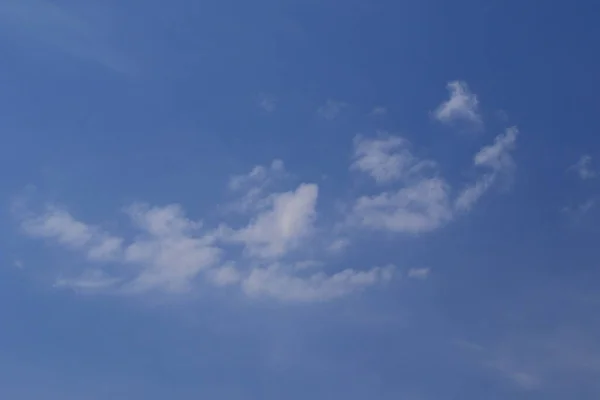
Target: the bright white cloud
(387, 158)
(331, 109)
(583, 168)
(280, 228)
(462, 106)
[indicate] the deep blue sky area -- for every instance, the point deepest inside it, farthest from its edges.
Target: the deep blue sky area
(299, 199)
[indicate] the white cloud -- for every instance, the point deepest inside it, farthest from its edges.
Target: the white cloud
(254, 185)
(281, 250)
(59, 225)
(583, 168)
(171, 249)
(497, 156)
(462, 106)
(259, 175)
(387, 158)
(274, 282)
(498, 160)
(472, 193)
(417, 208)
(280, 228)
(419, 273)
(331, 109)
(424, 202)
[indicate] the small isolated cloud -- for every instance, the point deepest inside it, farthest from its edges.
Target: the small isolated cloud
(267, 102)
(497, 159)
(378, 111)
(462, 106)
(583, 168)
(331, 109)
(387, 158)
(418, 273)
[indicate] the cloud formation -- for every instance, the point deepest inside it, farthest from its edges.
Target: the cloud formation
(583, 167)
(462, 106)
(282, 246)
(497, 159)
(387, 158)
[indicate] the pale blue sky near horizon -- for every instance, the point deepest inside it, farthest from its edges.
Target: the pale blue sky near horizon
(299, 199)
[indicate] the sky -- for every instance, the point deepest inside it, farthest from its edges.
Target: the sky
(299, 199)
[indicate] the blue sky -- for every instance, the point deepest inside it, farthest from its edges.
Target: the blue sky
(299, 199)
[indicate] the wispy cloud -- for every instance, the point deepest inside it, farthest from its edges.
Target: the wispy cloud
(331, 109)
(254, 186)
(424, 202)
(60, 225)
(277, 230)
(498, 160)
(580, 209)
(419, 273)
(462, 106)
(583, 168)
(170, 252)
(541, 361)
(267, 102)
(280, 245)
(273, 282)
(421, 207)
(378, 111)
(387, 158)
(47, 23)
